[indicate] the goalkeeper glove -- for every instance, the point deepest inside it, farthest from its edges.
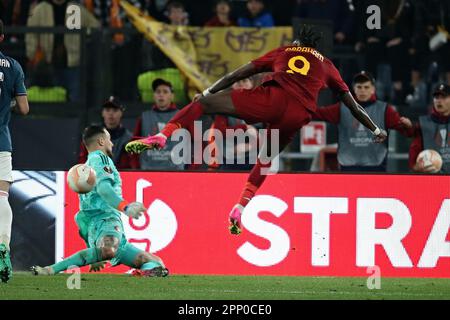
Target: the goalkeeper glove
(96, 267)
(134, 210)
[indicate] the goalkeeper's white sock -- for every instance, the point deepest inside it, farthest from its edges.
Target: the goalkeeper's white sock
(5, 219)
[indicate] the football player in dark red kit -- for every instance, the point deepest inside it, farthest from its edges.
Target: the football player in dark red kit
(285, 100)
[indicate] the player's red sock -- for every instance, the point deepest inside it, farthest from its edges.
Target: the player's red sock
(247, 194)
(183, 118)
(255, 180)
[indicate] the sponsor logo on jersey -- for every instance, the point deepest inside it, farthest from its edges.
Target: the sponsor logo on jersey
(108, 169)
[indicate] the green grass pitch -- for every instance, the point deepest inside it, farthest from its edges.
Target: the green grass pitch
(179, 287)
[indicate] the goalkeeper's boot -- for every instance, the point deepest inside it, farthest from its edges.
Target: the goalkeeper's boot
(150, 143)
(5, 264)
(155, 272)
(235, 219)
(42, 271)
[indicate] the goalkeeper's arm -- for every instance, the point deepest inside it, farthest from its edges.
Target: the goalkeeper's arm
(106, 191)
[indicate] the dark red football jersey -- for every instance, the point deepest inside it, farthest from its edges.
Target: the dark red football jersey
(302, 72)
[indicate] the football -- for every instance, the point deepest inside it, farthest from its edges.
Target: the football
(81, 178)
(428, 158)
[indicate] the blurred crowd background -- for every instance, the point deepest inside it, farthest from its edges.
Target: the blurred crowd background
(74, 79)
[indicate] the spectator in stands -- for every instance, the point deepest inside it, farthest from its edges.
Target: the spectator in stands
(339, 12)
(420, 59)
(15, 12)
(356, 149)
(432, 27)
(256, 15)
(112, 113)
(155, 8)
(151, 122)
(240, 152)
(222, 17)
(177, 14)
(389, 44)
(110, 13)
(124, 47)
(433, 131)
(61, 50)
(44, 89)
(167, 11)
(153, 57)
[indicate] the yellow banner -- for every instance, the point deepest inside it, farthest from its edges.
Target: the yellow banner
(204, 54)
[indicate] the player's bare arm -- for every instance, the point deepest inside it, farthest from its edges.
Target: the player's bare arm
(359, 113)
(21, 106)
(245, 71)
(214, 100)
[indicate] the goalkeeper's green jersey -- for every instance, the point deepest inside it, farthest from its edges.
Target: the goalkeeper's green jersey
(92, 204)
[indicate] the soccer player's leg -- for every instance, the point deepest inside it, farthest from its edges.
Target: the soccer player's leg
(5, 233)
(258, 174)
(145, 263)
(104, 240)
(214, 104)
(288, 122)
(79, 259)
(5, 216)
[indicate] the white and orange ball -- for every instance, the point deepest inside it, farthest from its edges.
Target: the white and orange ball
(81, 178)
(428, 158)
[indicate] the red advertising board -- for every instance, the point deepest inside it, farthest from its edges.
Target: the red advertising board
(298, 225)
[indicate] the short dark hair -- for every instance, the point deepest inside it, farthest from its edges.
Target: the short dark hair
(91, 132)
(308, 37)
(1, 27)
(442, 89)
(363, 77)
(222, 1)
(175, 5)
(113, 103)
(161, 82)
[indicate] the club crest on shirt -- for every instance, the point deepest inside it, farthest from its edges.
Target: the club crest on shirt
(108, 169)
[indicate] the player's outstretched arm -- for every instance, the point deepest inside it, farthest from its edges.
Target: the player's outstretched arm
(359, 113)
(245, 71)
(106, 191)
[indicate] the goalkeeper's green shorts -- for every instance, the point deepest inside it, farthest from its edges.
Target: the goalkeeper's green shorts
(108, 227)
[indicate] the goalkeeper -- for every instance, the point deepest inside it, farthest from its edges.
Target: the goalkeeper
(99, 219)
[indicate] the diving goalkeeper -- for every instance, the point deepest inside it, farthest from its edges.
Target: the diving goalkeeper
(99, 219)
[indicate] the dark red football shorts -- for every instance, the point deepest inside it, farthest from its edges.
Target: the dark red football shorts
(270, 103)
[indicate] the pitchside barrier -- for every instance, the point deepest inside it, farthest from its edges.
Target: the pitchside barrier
(298, 225)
